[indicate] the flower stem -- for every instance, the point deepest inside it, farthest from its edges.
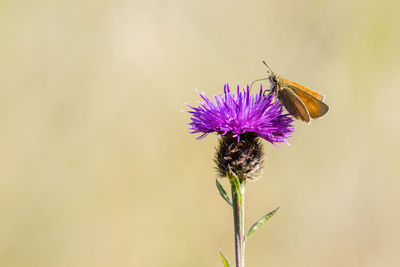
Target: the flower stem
(238, 191)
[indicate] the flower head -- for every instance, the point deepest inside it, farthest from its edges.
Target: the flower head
(245, 158)
(240, 113)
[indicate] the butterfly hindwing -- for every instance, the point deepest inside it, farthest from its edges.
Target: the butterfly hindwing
(315, 107)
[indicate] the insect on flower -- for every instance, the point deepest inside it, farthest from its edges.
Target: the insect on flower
(301, 102)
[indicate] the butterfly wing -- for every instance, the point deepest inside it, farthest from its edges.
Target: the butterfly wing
(315, 107)
(292, 85)
(293, 104)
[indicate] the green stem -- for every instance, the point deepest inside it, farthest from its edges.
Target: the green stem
(238, 191)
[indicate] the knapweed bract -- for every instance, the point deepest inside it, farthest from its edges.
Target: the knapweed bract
(241, 119)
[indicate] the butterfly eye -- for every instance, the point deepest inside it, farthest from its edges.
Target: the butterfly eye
(275, 79)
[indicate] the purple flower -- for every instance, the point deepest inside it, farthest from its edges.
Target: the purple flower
(241, 113)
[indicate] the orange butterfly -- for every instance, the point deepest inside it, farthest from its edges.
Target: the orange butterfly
(301, 102)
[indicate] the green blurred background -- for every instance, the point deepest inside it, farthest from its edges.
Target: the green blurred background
(98, 167)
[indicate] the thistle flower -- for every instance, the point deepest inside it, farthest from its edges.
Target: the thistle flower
(240, 113)
(239, 119)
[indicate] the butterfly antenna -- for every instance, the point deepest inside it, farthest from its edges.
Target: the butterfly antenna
(258, 80)
(268, 67)
(270, 72)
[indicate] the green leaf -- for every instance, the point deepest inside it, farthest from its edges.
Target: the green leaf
(224, 260)
(254, 227)
(223, 193)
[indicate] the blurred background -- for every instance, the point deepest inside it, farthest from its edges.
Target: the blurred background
(98, 167)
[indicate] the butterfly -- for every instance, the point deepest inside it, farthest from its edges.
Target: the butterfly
(301, 102)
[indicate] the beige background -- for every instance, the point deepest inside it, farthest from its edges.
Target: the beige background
(97, 167)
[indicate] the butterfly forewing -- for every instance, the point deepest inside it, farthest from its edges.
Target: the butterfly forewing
(292, 85)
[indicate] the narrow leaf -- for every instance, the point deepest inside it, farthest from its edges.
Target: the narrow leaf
(224, 260)
(223, 193)
(254, 227)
